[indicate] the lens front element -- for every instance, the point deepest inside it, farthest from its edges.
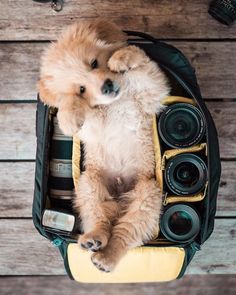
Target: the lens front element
(180, 223)
(185, 174)
(181, 125)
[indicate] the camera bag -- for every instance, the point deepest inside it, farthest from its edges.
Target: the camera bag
(158, 260)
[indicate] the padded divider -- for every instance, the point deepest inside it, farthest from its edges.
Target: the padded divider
(142, 264)
(176, 99)
(157, 154)
(76, 160)
(169, 199)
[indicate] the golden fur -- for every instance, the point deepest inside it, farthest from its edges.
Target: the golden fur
(118, 198)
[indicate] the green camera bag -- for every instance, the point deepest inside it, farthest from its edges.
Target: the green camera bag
(183, 84)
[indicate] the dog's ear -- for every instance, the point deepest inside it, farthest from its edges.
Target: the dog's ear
(109, 32)
(46, 95)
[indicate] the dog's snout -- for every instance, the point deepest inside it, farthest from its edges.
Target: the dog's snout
(107, 87)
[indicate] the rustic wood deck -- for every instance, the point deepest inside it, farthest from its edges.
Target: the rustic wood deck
(28, 263)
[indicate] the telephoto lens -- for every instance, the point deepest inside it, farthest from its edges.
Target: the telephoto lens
(181, 125)
(223, 10)
(185, 174)
(60, 179)
(180, 223)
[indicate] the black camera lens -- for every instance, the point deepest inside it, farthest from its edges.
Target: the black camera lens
(223, 10)
(180, 223)
(185, 174)
(181, 125)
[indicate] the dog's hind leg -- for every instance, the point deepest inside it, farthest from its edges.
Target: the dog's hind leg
(97, 210)
(135, 227)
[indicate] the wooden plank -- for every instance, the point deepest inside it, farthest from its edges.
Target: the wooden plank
(217, 254)
(214, 62)
(215, 65)
(19, 64)
(17, 130)
(17, 182)
(189, 284)
(25, 252)
(16, 189)
(162, 19)
(226, 205)
(224, 115)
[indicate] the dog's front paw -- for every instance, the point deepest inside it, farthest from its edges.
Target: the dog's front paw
(69, 122)
(93, 241)
(103, 261)
(127, 58)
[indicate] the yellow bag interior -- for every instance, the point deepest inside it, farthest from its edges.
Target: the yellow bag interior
(142, 264)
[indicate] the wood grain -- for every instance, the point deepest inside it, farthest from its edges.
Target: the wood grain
(224, 115)
(215, 65)
(58, 285)
(19, 64)
(163, 19)
(226, 205)
(17, 130)
(216, 256)
(17, 182)
(25, 252)
(16, 189)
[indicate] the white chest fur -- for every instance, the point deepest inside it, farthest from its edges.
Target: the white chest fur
(113, 138)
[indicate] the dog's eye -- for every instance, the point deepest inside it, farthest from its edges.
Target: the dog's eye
(94, 64)
(82, 89)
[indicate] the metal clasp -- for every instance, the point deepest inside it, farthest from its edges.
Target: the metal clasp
(56, 5)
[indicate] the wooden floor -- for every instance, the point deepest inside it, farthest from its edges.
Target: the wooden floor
(28, 263)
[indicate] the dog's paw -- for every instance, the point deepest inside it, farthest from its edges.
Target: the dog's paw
(93, 241)
(104, 262)
(127, 58)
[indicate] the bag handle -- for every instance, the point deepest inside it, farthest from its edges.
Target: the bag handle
(141, 35)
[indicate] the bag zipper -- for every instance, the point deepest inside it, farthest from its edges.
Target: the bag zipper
(44, 169)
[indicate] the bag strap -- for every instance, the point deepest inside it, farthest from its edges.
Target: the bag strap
(141, 35)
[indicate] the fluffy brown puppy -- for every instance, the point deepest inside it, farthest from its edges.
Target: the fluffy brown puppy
(107, 93)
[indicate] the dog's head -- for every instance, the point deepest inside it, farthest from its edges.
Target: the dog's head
(74, 69)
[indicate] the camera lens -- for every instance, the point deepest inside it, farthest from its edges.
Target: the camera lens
(180, 223)
(185, 174)
(181, 125)
(223, 10)
(60, 179)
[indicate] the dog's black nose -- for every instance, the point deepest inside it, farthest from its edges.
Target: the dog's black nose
(107, 87)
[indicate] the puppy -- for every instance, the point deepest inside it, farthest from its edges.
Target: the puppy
(107, 92)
